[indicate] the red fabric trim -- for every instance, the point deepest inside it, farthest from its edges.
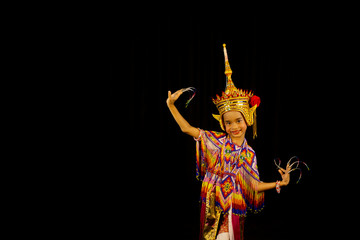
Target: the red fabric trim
(236, 226)
(202, 220)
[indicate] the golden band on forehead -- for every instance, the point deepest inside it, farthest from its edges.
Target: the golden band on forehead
(234, 99)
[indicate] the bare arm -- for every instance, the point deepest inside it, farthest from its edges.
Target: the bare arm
(183, 124)
(263, 186)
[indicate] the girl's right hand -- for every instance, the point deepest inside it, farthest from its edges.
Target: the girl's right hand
(173, 97)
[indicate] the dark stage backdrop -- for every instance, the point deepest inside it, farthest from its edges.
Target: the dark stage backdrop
(280, 57)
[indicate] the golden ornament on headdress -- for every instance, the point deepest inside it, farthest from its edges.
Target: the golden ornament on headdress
(234, 99)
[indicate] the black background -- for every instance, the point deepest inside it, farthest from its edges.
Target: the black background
(289, 59)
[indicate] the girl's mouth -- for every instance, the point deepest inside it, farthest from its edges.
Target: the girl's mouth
(237, 132)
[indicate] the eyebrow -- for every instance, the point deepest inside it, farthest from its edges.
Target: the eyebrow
(234, 120)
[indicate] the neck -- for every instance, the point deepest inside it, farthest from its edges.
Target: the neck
(238, 141)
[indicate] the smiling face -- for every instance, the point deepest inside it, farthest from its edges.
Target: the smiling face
(235, 126)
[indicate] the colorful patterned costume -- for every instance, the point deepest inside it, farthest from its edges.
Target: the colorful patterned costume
(230, 176)
(229, 172)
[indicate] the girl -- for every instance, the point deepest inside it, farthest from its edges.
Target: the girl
(226, 164)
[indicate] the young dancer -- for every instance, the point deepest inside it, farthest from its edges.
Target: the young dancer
(226, 164)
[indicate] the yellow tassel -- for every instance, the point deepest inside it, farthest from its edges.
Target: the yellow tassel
(254, 126)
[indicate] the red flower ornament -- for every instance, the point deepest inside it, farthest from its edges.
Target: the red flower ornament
(255, 100)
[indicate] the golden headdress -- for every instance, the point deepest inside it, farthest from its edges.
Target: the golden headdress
(234, 99)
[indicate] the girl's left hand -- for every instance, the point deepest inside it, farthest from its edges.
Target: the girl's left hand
(285, 175)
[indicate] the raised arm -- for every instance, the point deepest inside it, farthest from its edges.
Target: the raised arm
(183, 124)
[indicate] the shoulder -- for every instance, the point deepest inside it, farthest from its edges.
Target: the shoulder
(249, 148)
(249, 152)
(213, 137)
(214, 134)
(246, 147)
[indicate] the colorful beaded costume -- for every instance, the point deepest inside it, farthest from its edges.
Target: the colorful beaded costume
(228, 172)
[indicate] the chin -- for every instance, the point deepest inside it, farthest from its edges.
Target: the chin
(237, 135)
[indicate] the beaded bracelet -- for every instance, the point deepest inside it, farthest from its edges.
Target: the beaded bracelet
(278, 186)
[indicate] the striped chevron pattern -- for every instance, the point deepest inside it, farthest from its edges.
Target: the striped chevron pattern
(230, 171)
